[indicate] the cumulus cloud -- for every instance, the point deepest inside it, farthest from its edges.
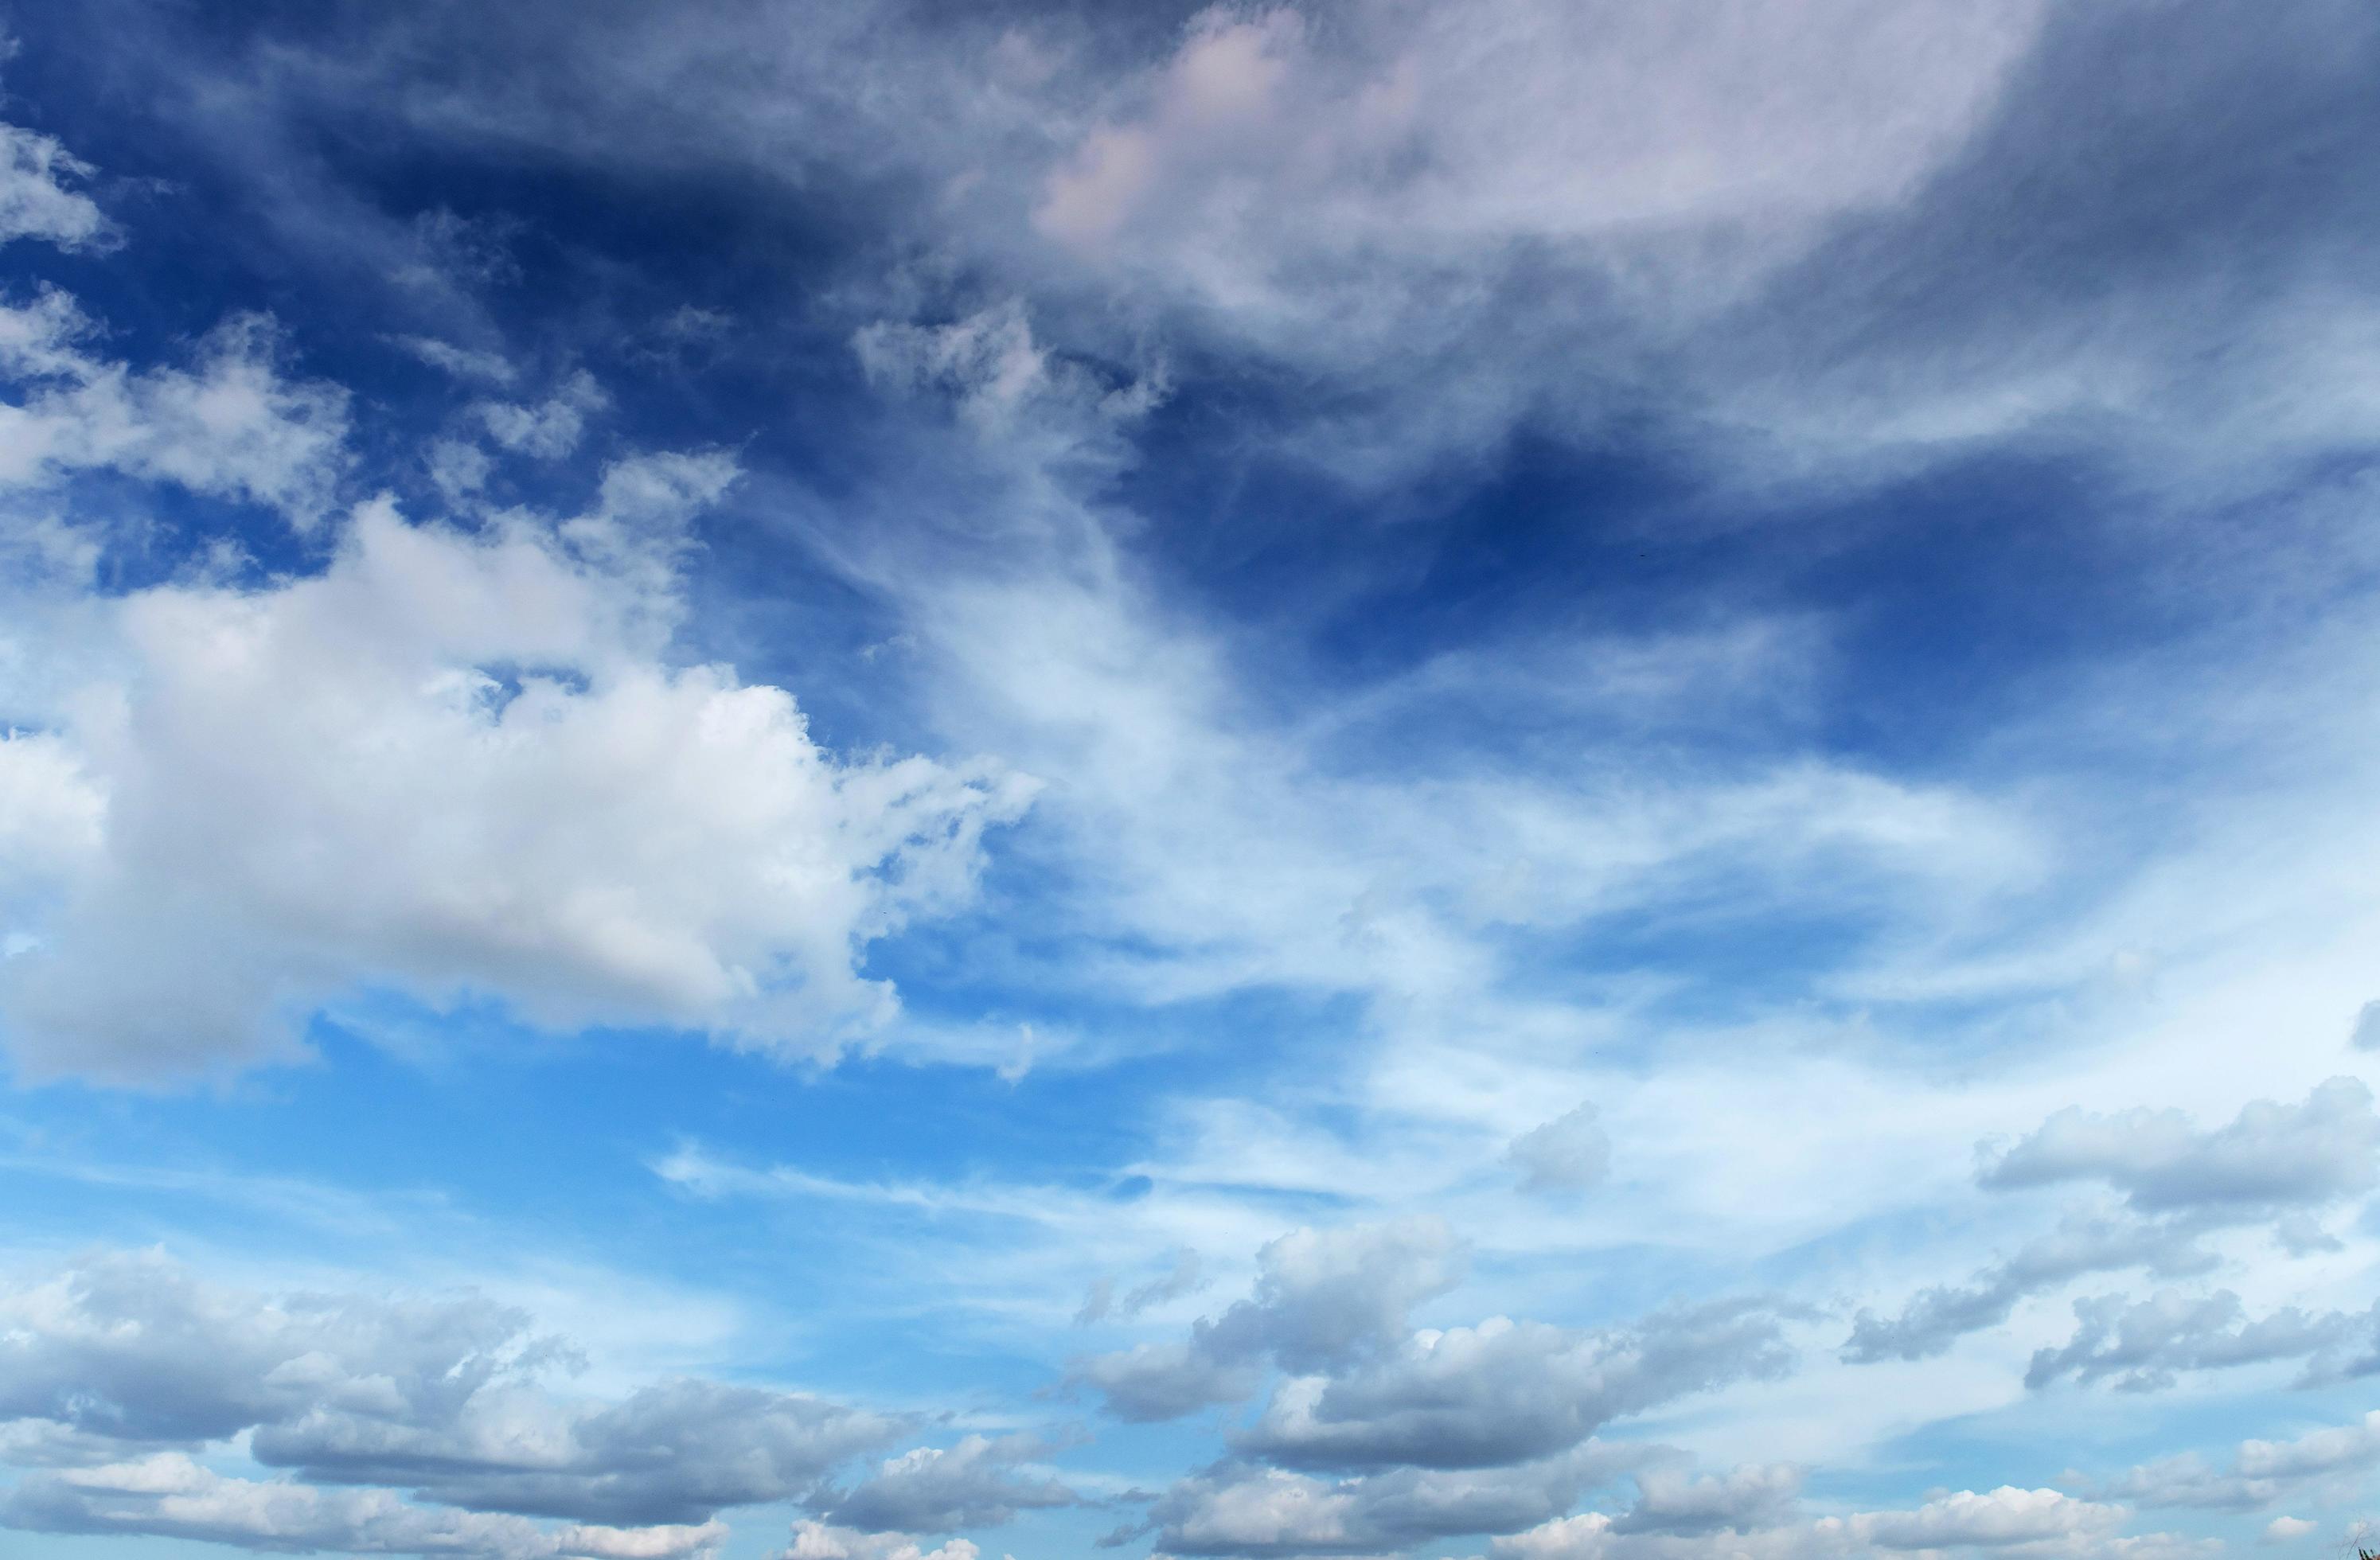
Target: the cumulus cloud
(2273, 1163)
(817, 1540)
(548, 429)
(1999, 1518)
(462, 764)
(2271, 1155)
(1237, 1509)
(37, 200)
(1507, 1391)
(2322, 1463)
(231, 426)
(463, 362)
(934, 1489)
(132, 1354)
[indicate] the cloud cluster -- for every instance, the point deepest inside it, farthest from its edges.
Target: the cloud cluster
(1441, 1431)
(167, 1495)
(120, 1358)
(2272, 1166)
(231, 426)
(2262, 1472)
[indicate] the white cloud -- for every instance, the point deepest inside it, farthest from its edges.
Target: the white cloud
(2366, 1035)
(550, 429)
(35, 198)
(460, 764)
(230, 427)
(168, 1495)
(817, 1540)
(117, 1356)
(2273, 1155)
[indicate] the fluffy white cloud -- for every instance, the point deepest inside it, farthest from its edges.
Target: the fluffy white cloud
(462, 764)
(817, 1540)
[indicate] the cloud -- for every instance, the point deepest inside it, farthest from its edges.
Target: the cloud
(550, 428)
(131, 1354)
(816, 1540)
(35, 198)
(1321, 1298)
(230, 427)
(2273, 1163)
(2002, 1517)
(2271, 1155)
(2328, 1466)
(1507, 1391)
(1937, 1316)
(462, 765)
(2366, 1037)
(2143, 1345)
(1243, 1510)
(1101, 1304)
(1570, 1152)
(975, 1484)
(2008, 1520)
(168, 1495)
(463, 362)
(1751, 1497)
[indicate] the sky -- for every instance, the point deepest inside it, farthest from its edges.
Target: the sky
(1539, 779)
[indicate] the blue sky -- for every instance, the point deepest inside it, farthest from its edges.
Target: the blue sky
(883, 782)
